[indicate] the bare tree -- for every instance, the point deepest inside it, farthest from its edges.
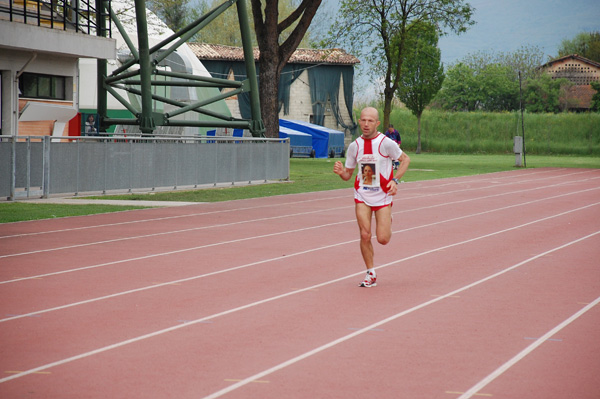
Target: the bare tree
(227, 30)
(276, 50)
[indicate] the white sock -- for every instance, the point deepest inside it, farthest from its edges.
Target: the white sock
(372, 271)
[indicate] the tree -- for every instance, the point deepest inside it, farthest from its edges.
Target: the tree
(489, 89)
(277, 39)
(176, 14)
(459, 90)
(585, 44)
(227, 31)
(498, 91)
(526, 60)
(422, 74)
(595, 106)
(276, 49)
(378, 29)
(489, 81)
(543, 94)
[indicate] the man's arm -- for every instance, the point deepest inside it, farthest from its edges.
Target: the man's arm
(404, 162)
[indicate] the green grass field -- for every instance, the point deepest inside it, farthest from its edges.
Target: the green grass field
(493, 132)
(306, 175)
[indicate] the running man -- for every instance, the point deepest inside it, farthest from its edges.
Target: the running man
(378, 152)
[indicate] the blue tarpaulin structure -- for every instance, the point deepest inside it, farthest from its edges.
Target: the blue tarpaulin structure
(326, 142)
(300, 143)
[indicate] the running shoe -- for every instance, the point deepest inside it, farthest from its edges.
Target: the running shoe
(369, 281)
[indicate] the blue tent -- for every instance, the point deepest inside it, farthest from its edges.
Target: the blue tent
(335, 147)
(300, 143)
(326, 142)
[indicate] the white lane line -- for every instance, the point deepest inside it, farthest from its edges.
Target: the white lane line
(166, 233)
(170, 252)
(165, 218)
(288, 256)
(382, 322)
(307, 354)
(300, 202)
(278, 217)
(500, 370)
(294, 231)
(37, 313)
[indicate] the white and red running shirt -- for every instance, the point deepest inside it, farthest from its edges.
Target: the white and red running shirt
(373, 156)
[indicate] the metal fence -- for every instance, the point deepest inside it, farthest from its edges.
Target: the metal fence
(39, 167)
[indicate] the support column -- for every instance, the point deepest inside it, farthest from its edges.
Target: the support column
(145, 118)
(257, 128)
(10, 103)
(102, 71)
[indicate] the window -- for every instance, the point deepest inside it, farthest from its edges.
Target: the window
(35, 85)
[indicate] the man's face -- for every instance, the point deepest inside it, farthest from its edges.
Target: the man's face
(368, 123)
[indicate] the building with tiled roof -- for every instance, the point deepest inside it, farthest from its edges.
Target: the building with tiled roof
(206, 51)
(580, 72)
(330, 72)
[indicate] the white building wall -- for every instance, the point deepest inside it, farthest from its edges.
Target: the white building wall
(300, 104)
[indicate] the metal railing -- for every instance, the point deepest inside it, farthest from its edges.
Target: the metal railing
(34, 167)
(73, 15)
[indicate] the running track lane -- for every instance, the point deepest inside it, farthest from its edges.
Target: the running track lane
(258, 298)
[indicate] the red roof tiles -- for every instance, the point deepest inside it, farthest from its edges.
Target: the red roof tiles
(205, 51)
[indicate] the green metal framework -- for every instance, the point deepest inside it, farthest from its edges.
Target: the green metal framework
(145, 77)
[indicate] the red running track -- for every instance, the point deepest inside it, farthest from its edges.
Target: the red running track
(489, 288)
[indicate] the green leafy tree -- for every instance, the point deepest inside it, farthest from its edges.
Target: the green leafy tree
(176, 14)
(543, 94)
(422, 74)
(489, 81)
(595, 106)
(585, 44)
(489, 89)
(225, 30)
(377, 30)
(459, 90)
(497, 90)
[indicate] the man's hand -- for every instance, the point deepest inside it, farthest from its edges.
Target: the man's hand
(392, 187)
(338, 168)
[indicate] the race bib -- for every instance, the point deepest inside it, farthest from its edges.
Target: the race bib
(368, 174)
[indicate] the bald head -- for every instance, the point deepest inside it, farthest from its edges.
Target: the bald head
(370, 111)
(369, 121)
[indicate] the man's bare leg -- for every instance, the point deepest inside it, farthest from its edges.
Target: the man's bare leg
(364, 215)
(383, 228)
